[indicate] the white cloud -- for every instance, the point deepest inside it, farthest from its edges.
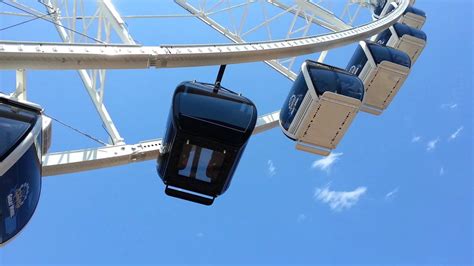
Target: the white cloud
(325, 163)
(449, 105)
(390, 195)
(416, 139)
(301, 218)
(432, 144)
(441, 171)
(271, 168)
(456, 133)
(339, 200)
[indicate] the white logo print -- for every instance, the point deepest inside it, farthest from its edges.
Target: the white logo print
(17, 198)
(293, 102)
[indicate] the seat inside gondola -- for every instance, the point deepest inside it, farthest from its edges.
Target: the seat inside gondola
(207, 132)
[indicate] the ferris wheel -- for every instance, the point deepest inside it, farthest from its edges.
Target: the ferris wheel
(202, 147)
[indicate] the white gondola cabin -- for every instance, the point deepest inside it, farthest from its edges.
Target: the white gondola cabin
(383, 71)
(412, 16)
(403, 38)
(320, 107)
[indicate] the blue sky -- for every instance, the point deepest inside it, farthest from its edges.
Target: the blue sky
(397, 190)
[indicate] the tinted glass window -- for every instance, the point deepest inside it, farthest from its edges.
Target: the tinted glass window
(350, 86)
(216, 110)
(20, 189)
(357, 62)
(323, 80)
(416, 11)
(10, 133)
(403, 29)
(293, 101)
(14, 123)
(379, 7)
(383, 37)
(383, 53)
(336, 81)
(410, 9)
(390, 8)
(200, 163)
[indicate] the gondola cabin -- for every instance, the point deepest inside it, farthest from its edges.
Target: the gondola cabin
(21, 148)
(380, 5)
(403, 38)
(412, 16)
(320, 107)
(207, 132)
(383, 71)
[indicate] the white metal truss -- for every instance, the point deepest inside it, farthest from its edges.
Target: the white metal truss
(305, 11)
(15, 55)
(94, 81)
(91, 159)
(70, 55)
(106, 19)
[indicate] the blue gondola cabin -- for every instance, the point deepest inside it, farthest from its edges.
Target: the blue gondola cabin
(383, 71)
(23, 140)
(403, 38)
(412, 16)
(320, 107)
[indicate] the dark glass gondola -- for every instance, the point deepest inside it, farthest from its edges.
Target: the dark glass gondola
(320, 107)
(20, 165)
(207, 132)
(412, 16)
(404, 38)
(383, 71)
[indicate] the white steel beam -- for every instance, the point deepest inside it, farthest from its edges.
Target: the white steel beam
(107, 121)
(96, 158)
(233, 37)
(267, 122)
(322, 16)
(60, 56)
(57, 56)
(116, 21)
(20, 89)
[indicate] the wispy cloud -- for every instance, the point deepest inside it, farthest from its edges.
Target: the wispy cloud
(416, 139)
(301, 218)
(455, 134)
(200, 235)
(339, 200)
(441, 171)
(271, 168)
(390, 195)
(449, 105)
(325, 164)
(432, 144)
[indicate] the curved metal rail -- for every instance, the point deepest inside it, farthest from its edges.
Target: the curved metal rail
(67, 56)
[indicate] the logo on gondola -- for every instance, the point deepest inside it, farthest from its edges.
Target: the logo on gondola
(293, 102)
(354, 69)
(17, 198)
